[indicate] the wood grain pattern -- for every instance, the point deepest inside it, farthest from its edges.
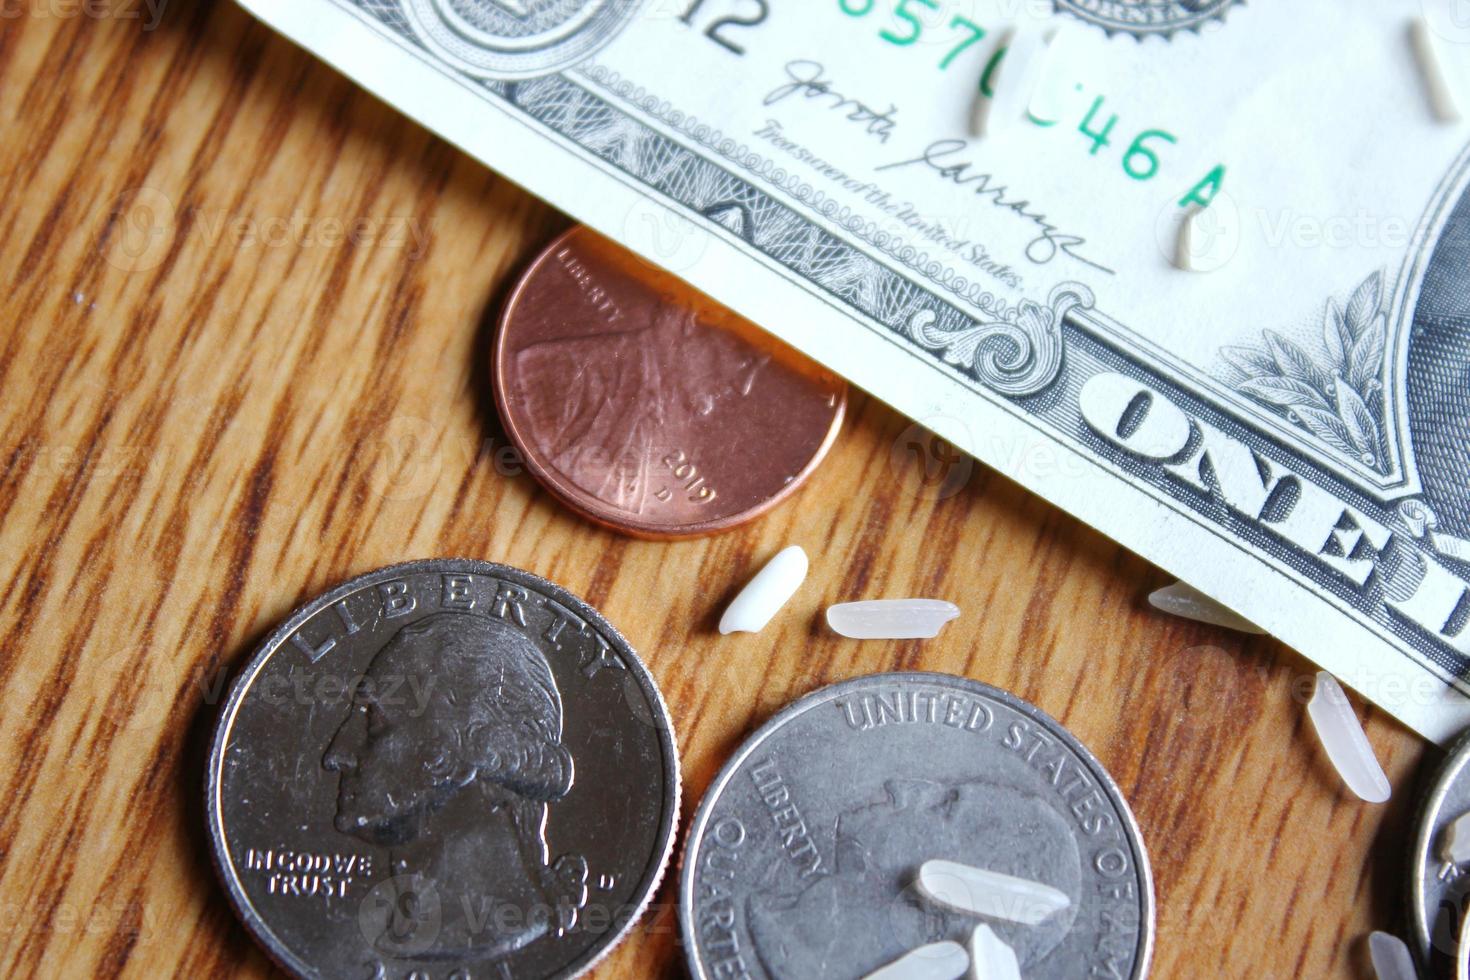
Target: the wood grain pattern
(243, 357)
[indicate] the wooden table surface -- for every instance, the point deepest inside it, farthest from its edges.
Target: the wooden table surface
(243, 341)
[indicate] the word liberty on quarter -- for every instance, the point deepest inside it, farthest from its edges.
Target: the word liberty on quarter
(645, 406)
(875, 818)
(446, 768)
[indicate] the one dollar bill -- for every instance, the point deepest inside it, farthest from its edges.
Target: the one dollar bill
(1204, 280)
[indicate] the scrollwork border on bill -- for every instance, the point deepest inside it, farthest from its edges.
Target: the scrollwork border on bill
(1018, 354)
(1390, 582)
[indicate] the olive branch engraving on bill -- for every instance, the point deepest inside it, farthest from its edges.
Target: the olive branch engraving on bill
(1290, 432)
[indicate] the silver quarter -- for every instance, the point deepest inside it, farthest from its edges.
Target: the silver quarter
(802, 858)
(1462, 953)
(445, 768)
(1439, 891)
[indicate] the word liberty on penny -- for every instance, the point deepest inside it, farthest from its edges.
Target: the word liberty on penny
(446, 768)
(645, 406)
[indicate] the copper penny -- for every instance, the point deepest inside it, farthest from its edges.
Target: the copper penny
(647, 407)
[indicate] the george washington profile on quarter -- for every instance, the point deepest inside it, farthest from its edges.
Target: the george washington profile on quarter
(460, 791)
(442, 769)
